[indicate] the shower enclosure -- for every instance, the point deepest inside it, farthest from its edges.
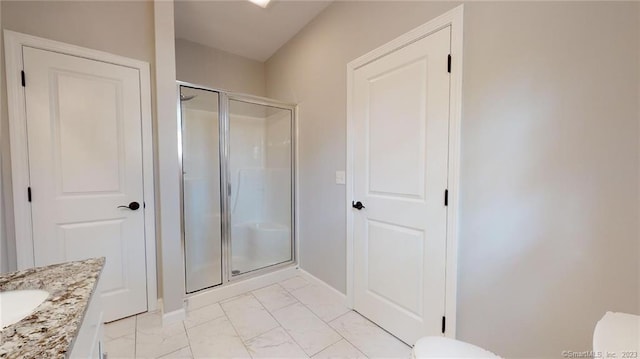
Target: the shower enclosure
(237, 162)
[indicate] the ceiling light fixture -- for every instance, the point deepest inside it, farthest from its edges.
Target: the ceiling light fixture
(262, 3)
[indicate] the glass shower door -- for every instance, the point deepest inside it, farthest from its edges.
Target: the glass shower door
(260, 185)
(201, 188)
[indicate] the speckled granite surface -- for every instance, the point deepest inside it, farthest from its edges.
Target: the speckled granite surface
(49, 332)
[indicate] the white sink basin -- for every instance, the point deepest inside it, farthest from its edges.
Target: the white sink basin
(17, 304)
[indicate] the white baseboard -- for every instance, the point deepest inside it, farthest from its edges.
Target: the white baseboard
(317, 281)
(170, 317)
(233, 289)
(174, 317)
(159, 306)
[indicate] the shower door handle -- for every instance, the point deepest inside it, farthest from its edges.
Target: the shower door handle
(357, 205)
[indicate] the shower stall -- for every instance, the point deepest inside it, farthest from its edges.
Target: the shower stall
(237, 159)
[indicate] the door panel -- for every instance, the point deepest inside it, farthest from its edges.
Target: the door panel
(397, 94)
(387, 244)
(87, 163)
(260, 167)
(401, 104)
(85, 160)
(201, 188)
(97, 239)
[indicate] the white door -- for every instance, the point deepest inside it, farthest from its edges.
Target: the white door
(85, 160)
(401, 119)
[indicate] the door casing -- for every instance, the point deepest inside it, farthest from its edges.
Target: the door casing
(453, 18)
(14, 42)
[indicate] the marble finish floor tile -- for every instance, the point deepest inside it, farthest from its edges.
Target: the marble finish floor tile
(184, 353)
(120, 328)
(216, 339)
(154, 340)
(309, 331)
(274, 344)
(248, 316)
(321, 301)
(149, 321)
(340, 350)
(294, 283)
(292, 319)
(202, 315)
(121, 348)
(274, 297)
(369, 338)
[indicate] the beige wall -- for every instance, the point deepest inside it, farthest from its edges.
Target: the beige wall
(549, 213)
(120, 27)
(202, 65)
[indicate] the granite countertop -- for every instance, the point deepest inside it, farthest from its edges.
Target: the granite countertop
(49, 332)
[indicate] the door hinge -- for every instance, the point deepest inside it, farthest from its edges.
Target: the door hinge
(29, 194)
(23, 78)
(446, 197)
(444, 324)
(449, 63)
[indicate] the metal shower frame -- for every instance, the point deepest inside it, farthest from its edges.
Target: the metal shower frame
(224, 98)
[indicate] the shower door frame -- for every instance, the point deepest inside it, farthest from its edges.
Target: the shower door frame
(224, 98)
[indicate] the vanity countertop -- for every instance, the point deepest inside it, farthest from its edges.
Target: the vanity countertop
(49, 332)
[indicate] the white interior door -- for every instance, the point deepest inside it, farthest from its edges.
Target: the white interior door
(85, 160)
(401, 117)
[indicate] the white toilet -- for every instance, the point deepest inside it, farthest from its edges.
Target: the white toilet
(617, 333)
(614, 333)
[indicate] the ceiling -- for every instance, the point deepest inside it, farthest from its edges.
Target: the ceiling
(242, 28)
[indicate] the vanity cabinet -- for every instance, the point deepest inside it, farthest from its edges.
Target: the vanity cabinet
(90, 338)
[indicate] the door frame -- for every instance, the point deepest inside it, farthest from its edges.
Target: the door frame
(13, 44)
(454, 19)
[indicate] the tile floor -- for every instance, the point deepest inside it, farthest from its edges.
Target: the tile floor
(291, 319)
